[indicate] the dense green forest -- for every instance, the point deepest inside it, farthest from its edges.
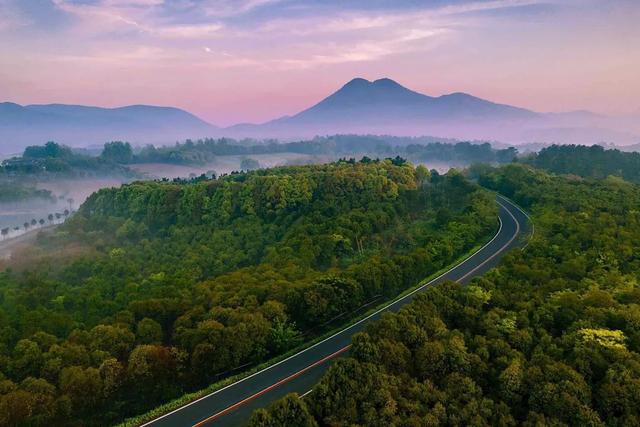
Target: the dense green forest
(159, 288)
(588, 162)
(549, 338)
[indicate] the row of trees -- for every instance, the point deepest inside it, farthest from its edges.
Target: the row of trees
(51, 219)
(184, 283)
(549, 337)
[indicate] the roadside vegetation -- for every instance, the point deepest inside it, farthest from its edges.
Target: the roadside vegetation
(550, 337)
(182, 284)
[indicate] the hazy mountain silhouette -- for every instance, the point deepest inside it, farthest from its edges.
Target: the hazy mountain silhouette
(387, 100)
(77, 125)
(360, 107)
(386, 107)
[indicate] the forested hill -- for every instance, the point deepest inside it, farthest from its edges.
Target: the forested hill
(183, 283)
(550, 337)
(588, 162)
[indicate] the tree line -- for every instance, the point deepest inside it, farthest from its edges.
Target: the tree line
(587, 162)
(415, 149)
(52, 218)
(53, 160)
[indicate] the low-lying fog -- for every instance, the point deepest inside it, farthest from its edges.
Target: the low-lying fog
(224, 165)
(228, 164)
(71, 193)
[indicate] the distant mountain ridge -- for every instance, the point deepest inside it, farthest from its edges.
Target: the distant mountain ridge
(382, 107)
(359, 95)
(79, 125)
(386, 107)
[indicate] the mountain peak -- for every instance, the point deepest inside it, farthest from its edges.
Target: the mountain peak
(356, 82)
(10, 105)
(383, 89)
(459, 95)
(383, 83)
(388, 83)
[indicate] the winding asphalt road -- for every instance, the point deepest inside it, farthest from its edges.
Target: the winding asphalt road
(232, 405)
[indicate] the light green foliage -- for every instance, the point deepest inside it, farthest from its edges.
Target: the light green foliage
(602, 337)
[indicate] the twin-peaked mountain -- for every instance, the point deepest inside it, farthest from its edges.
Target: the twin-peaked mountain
(363, 107)
(386, 107)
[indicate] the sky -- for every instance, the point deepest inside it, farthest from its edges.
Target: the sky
(231, 61)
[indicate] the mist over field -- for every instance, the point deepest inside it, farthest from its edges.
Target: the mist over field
(15, 214)
(228, 164)
(68, 193)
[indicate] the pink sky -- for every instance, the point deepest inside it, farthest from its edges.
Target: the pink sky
(232, 61)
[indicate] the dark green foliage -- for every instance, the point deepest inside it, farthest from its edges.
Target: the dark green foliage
(191, 282)
(550, 337)
(588, 162)
(49, 150)
(55, 160)
(118, 152)
(288, 411)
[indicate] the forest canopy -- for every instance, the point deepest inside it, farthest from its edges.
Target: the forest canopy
(179, 284)
(587, 162)
(549, 337)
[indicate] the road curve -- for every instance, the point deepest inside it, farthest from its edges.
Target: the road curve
(233, 404)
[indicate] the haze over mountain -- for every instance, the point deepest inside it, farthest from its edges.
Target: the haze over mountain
(385, 107)
(361, 107)
(77, 125)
